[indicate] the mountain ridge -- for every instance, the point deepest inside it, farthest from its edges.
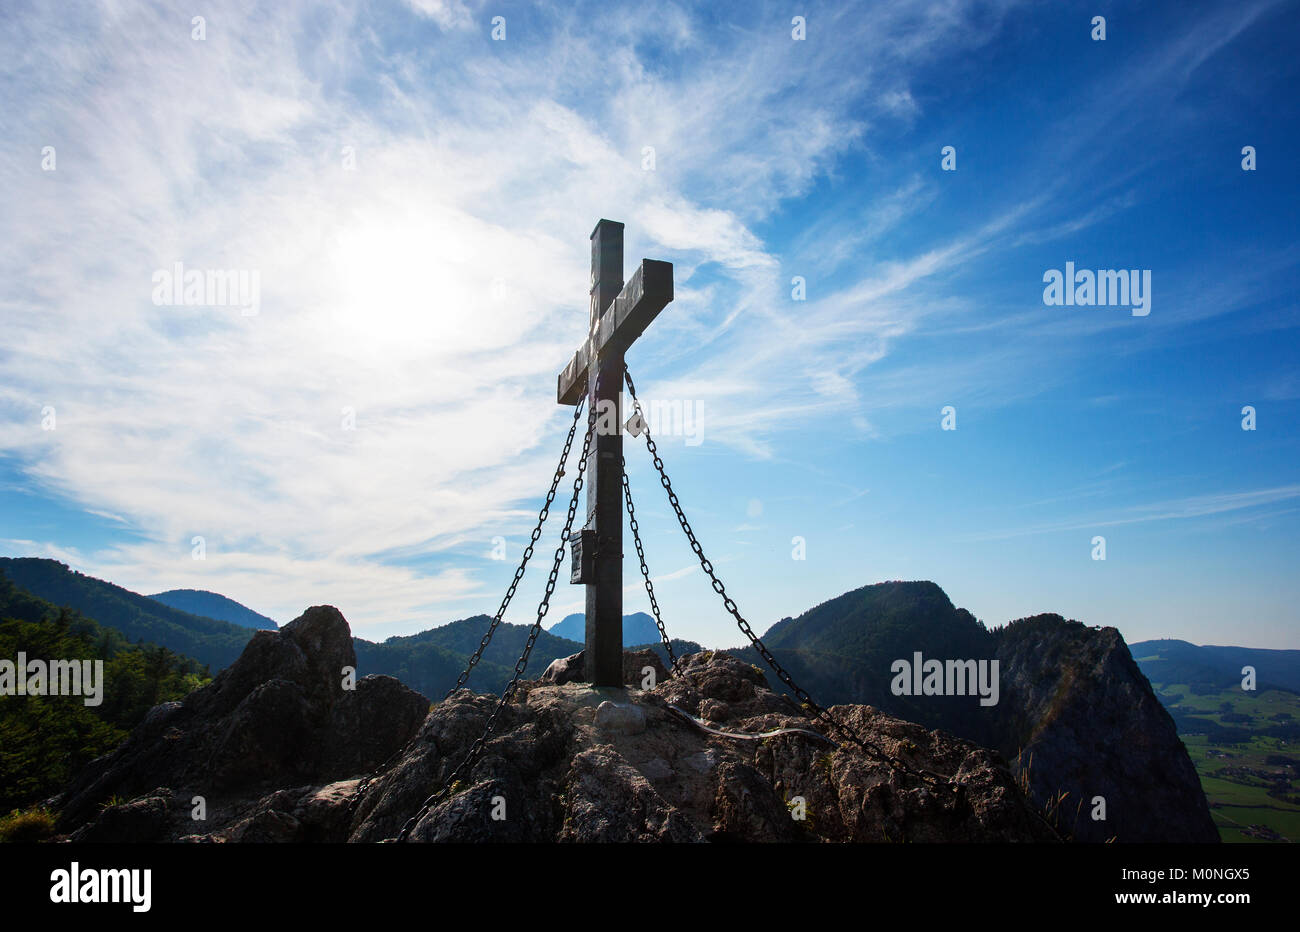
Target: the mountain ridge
(210, 641)
(429, 661)
(1070, 694)
(638, 628)
(1171, 660)
(210, 604)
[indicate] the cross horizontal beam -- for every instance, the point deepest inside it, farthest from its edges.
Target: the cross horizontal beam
(642, 298)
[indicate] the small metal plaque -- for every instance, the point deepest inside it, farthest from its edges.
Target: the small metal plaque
(582, 550)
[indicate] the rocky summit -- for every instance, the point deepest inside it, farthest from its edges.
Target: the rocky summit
(276, 749)
(1082, 725)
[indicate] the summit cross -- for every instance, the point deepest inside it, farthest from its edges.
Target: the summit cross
(619, 314)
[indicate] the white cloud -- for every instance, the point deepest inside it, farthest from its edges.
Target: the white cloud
(1195, 506)
(448, 14)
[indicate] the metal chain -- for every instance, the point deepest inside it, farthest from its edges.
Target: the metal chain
(542, 515)
(645, 570)
(476, 750)
(370, 778)
(528, 553)
(818, 712)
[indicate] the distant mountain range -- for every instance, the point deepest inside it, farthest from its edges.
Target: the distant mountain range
(638, 628)
(1173, 661)
(429, 662)
(213, 605)
(139, 618)
(1240, 740)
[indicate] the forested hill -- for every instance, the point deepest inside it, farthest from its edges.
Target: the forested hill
(842, 650)
(138, 617)
(1174, 661)
(430, 661)
(44, 740)
(214, 605)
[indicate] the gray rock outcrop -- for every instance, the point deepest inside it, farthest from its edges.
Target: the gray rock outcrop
(278, 717)
(1080, 724)
(278, 750)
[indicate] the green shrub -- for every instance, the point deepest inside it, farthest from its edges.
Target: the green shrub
(26, 825)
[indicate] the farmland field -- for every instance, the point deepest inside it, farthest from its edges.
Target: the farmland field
(1244, 749)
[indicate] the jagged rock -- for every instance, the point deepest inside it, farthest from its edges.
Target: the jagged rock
(714, 710)
(716, 683)
(746, 807)
(141, 820)
(609, 800)
(1082, 720)
(278, 717)
(305, 814)
(267, 733)
(368, 724)
(1075, 716)
(563, 777)
(564, 670)
(856, 797)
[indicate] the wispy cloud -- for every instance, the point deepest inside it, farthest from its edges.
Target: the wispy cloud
(1196, 506)
(426, 297)
(393, 398)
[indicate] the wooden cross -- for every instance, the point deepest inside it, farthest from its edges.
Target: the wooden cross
(619, 314)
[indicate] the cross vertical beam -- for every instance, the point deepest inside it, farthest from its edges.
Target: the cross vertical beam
(619, 314)
(603, 658)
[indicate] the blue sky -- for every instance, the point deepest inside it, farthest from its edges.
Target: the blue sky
(416, 197)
